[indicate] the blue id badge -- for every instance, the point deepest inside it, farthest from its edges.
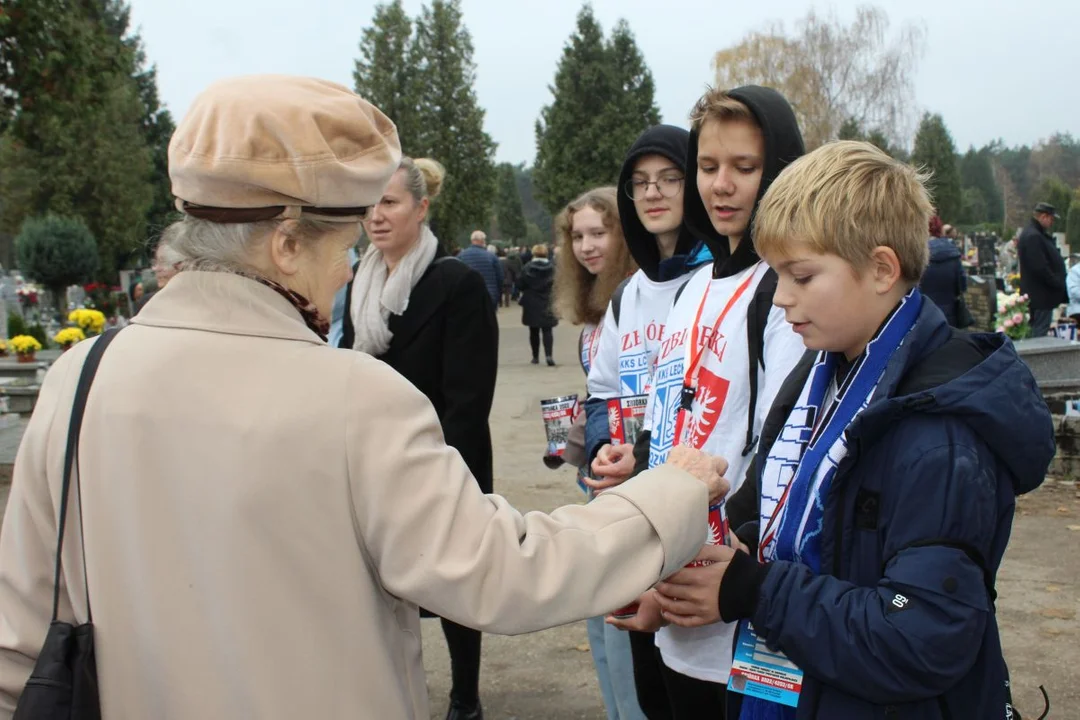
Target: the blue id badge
(759, 672)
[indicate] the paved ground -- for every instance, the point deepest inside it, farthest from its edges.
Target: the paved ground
(548, 675)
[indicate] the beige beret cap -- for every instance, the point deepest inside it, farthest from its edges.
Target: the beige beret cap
(276, 146)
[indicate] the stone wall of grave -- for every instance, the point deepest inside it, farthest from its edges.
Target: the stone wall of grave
(981, 300)
(1066, 464)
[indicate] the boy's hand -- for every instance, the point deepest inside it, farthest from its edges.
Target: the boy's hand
(691, 597)
(647, 619)
(613, 466)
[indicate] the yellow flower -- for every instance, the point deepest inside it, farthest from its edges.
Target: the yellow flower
(25, 344)
(69, 336)
(90, 320)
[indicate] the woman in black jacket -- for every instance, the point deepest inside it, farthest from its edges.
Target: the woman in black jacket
(536, 281)
(416, 308)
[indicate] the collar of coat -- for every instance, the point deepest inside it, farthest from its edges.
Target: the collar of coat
(1040, 229)
(226, 303)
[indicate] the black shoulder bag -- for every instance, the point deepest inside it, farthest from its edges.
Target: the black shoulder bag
(63, 684)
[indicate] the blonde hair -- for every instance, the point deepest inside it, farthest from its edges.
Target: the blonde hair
(423, 177)
(580, 296)
(847, 198)
(539, 251)
(717, 105)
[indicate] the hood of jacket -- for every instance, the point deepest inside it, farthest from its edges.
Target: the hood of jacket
(986, 386)
(783, 145)
(942, 250)
(538, 269)
(670, 142)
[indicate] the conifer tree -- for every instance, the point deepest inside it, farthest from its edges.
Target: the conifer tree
(936, 152)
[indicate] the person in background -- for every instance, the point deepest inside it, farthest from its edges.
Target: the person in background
(1042, 269)
(651, 185)
(477, 257)
(944, 279)
(536, 283)
(593, 262)
(514, 266)
(950, 232)
(337, 316)
(1072, 282)
(507, 279)
(136, 291)
(416, 310)
(166, 265)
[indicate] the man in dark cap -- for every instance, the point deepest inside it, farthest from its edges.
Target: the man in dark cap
(1042, 269)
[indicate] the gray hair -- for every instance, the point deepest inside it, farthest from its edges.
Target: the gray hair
(194, 244)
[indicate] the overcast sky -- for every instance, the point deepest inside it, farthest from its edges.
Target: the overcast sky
(993, 68)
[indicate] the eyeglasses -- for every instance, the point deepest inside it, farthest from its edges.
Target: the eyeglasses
(668, 186)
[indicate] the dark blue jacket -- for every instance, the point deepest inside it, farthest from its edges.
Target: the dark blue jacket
(901, 624)
(485, 263)
(944, 278)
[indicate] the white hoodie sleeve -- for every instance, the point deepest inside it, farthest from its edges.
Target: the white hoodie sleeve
(603, 382)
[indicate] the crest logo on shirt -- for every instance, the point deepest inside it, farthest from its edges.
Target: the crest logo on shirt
(708, 405)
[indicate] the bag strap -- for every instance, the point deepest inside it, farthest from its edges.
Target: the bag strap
(757, 319)
(78, 407)
(616, 300)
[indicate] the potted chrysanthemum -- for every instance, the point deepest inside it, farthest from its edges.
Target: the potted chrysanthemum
(92, 322)
(67, 337)
(25, 347)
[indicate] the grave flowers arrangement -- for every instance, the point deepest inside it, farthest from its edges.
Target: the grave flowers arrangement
(68, 337)
(25, 346)
(28, 295)
(1014, 314)
(3, 348)
(92, 322)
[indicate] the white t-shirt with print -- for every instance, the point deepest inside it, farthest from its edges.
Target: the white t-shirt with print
(623, 364)
(717, 422)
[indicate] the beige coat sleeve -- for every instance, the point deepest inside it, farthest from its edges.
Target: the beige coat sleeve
(437, 541)
(28, 541)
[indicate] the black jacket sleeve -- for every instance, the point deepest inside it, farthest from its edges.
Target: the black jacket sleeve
(641, 452)
(1036, 262)
(469, 367)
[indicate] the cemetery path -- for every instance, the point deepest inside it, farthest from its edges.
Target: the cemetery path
(549, 675)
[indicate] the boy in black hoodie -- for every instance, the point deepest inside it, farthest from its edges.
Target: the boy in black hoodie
(724, 353)
(651, 188)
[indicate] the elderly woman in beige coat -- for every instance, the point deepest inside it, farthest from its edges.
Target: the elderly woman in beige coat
(262, 514)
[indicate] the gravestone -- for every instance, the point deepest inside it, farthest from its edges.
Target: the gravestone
(986, 246)
(1054, 362)
(981, 298)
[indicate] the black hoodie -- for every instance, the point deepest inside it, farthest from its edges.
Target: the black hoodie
(783, 145)
(670, 142)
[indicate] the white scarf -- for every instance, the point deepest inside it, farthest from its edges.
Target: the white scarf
(377, 294)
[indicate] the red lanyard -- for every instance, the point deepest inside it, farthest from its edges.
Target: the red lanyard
(697, 354)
